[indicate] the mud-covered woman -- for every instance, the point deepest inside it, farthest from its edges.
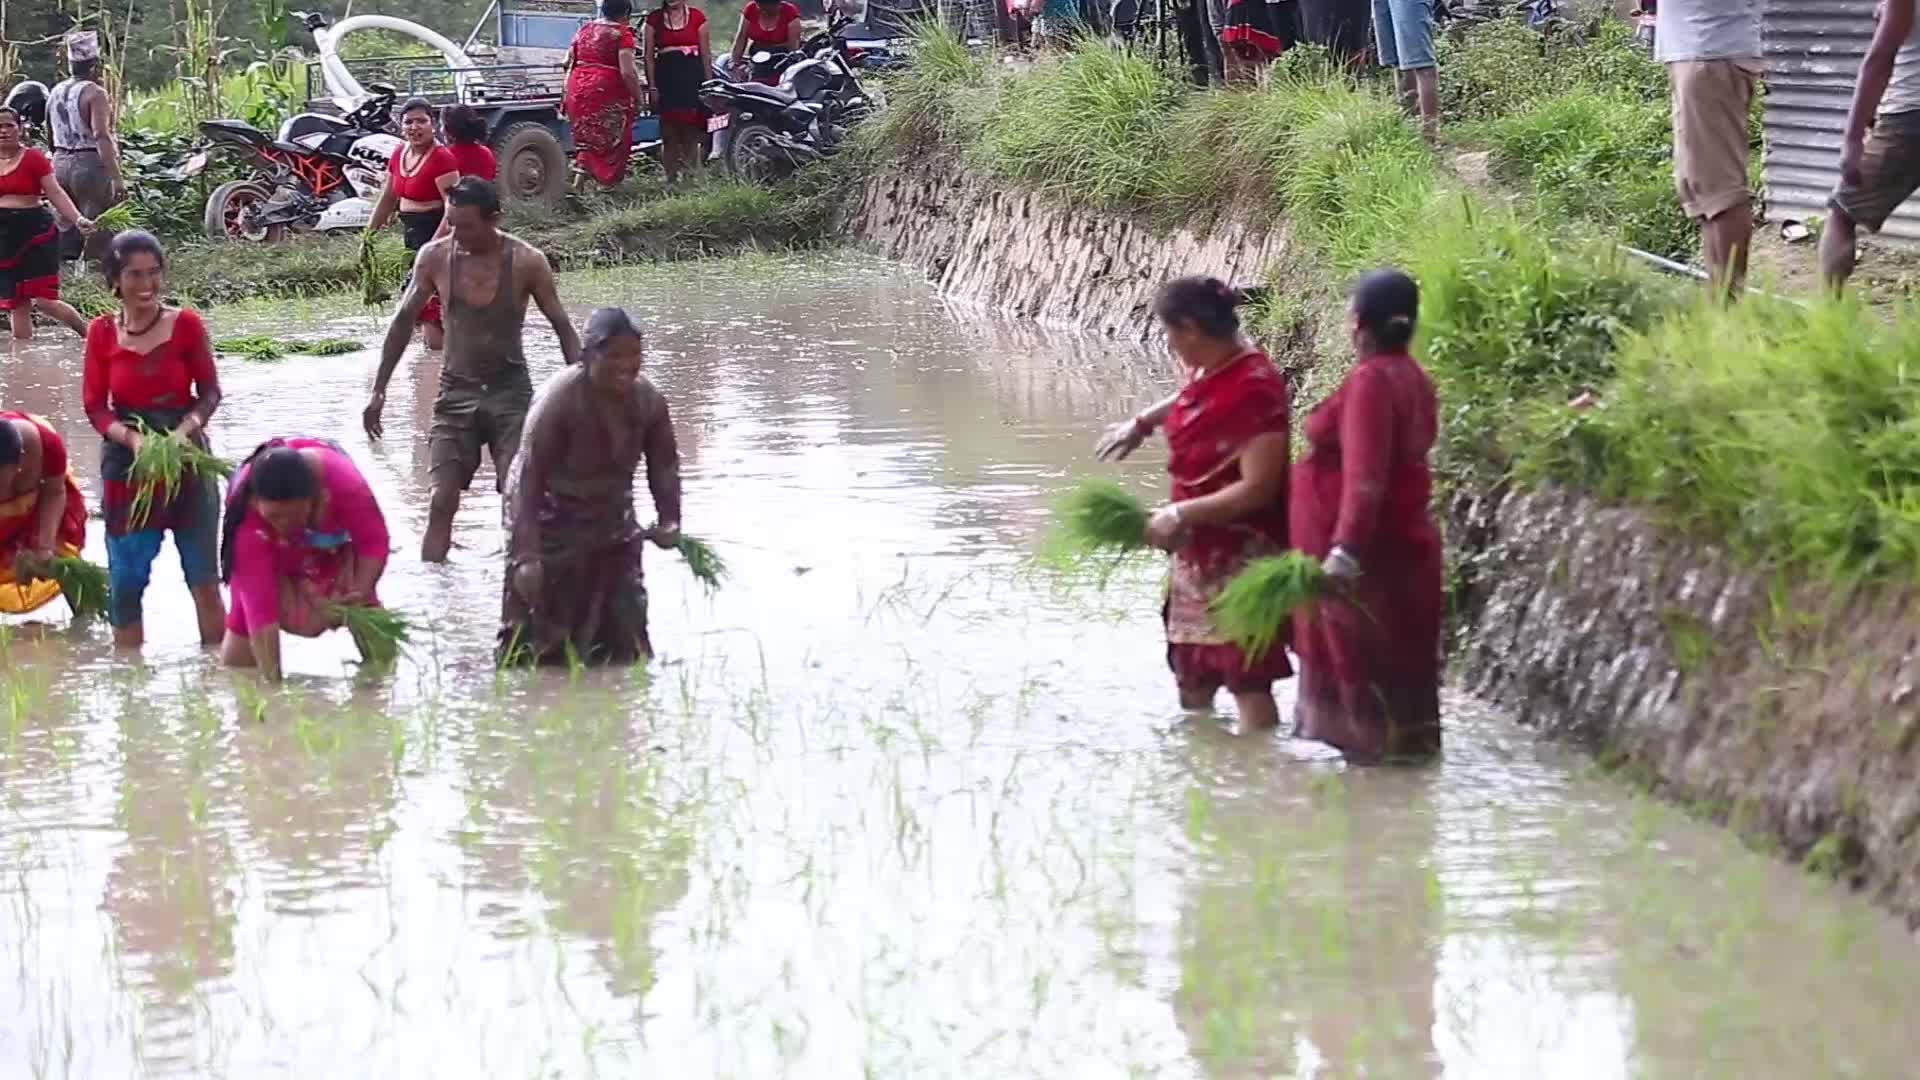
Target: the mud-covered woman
(149, 373)
(1370, 654)
(573, 588)
(418, 177)
(303, 535)
(1227, 456)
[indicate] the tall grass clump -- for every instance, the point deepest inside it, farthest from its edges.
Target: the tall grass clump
(928, 103)
(1502, 66)
(1601, 156)
(1091, 128)
(1789, 433)
(1360, 179)
(1510, 314)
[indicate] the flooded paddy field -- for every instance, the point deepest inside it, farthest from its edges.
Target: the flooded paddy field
(887, 805)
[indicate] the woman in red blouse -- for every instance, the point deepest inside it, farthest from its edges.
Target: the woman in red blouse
(679, 57)
(29, 242)
(768, 24)
(603, 93)
(42, 513)
(1370, 655)
(153, 364)
(1227, 455)
(467, 142)
(417, 181)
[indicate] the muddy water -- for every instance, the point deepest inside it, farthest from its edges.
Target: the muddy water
(887, 805)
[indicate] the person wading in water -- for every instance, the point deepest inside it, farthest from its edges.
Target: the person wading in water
(486, 278)
(86, 158)
(573, 585)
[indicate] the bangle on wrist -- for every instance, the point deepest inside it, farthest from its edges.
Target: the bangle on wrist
(1174, 508)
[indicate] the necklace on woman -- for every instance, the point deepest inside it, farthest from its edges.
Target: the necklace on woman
(7, 163)
(405, 170)
(668, 19)
(158, 314)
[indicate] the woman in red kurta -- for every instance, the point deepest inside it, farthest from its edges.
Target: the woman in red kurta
(41, 511)
(603, 93)
(1370, 656)
(1227, 455)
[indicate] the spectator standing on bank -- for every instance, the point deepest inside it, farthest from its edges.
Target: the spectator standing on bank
(1404, 31)
(1880, 167)
(86, 159)
(1712, 52)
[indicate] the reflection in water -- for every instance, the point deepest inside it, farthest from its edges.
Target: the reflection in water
(887, 805)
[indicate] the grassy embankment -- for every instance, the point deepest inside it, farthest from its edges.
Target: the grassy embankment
(1790, 434)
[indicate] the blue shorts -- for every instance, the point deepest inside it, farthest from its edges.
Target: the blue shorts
(1404, 32)
(130, 559)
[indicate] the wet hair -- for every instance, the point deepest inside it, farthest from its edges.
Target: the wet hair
(1204, 302)
(616, 9)
(477, 193)
(124, 246)
(463, 125)
(10, 446)
(604, 325)
(1386, 303)
(276, 473)
(414, 105)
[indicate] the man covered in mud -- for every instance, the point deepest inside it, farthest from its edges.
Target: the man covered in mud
(573, 590)
(484, 278)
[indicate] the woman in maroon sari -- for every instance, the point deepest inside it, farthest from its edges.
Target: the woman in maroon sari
(603, 93)
(1227, 454)
(1370, 657)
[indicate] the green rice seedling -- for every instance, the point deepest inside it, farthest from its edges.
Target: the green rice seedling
(326, 347)
(1255, 604)
(1100, 516)
(704, 563)
(162, 465)
(379, 632)
(381, 266)
(119, 218)
(83, 583)
(251, 346)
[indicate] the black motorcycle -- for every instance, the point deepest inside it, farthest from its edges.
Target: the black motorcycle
(774, 130)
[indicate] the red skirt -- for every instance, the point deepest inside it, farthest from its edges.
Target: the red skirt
(29, 257)
(1269, 28)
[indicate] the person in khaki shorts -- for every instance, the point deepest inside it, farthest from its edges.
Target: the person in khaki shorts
(1877, 171)
(1712, 52)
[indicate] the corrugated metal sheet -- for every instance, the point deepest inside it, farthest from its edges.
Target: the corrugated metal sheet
(1813, 51)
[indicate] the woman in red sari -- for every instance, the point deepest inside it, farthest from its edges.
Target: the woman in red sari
(603, 93)
(1227, 454)
(1370, 656)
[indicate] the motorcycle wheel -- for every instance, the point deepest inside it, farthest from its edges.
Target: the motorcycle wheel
(228, 208)
(754, 154)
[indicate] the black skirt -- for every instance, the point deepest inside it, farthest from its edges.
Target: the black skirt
(1255, 24)
(418, 226)
(29, 256)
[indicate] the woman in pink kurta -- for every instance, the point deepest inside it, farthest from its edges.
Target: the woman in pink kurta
(1370, 654)
(1227, 457)
(302, 531)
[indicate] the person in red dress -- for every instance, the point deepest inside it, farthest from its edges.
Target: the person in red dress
(679, 57)
(603, 93)
(467, 142)
(1227, 454)
(29, 242)
(152, 364)
(417, 181)
(1370, 654)
(42, 513)
(773, 25)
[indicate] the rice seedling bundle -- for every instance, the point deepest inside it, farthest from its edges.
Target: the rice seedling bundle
(325, 347)
(1099, 516)
(379, 632)
(119, 218)
(704, 563)
(382, 266)
(83, 583)
(1252, 607)
(251, 346)
(161, 465)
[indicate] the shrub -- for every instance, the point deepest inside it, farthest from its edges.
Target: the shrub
(1790, 432)
(1598, 155)
(926, 102)
(1501, 67)
(1091, 128)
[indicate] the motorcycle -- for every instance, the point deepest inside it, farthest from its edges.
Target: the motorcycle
(318, 173)
(774, 130)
